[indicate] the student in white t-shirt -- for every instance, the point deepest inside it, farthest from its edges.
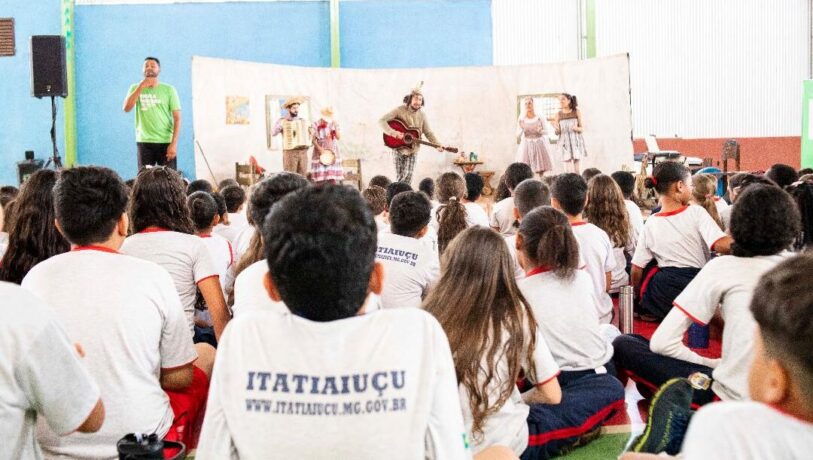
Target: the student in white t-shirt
(605, 209)
(452, 216)
(474, 189)
(128, 317)
(235, 198)
(376, 198)
(764, 224)
(41, 376)
(777, 423)
(163, 233)
(626, 182)
(203, 212)
(502, 214)
(679, 238)
(569, 195)
(528, 195)
(410, 267)
(563, 304)
(380, 385)
(248, 291)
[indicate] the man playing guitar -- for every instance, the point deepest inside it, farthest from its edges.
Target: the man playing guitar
(411, 115)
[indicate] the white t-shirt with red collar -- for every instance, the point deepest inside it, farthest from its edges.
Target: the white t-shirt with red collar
(681, 238)
(128, 317)
(565, 311)
(185, 257)
(221, 253)
(720, 204)
(596, 251)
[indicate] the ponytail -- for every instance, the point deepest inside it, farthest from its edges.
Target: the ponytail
(703, 194)
(548, 241)
(451, 221)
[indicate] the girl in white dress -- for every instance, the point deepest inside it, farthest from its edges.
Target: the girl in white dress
(534, 148)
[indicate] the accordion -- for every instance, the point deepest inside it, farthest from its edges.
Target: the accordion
(294, 135)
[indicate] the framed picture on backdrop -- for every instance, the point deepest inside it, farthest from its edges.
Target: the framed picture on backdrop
(545, 106)
(274, 111)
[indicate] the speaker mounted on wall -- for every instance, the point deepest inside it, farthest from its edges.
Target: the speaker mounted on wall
(48, 71)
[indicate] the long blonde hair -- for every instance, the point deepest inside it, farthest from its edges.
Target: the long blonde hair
(606, 209)
(451, 215)
(485, 317)
(705, 186)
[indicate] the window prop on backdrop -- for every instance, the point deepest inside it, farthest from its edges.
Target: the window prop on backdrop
(237, 110)
(274, 111)
(546, 106)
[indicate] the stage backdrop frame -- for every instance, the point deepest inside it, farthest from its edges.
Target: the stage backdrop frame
(472, 108)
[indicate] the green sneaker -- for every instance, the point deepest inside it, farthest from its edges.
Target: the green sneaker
(669, 415)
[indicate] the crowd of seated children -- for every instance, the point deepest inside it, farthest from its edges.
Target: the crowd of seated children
(626, 182)
(528, 195)
(679, 238)
(776, 422)
(569, 195)
(127, 316)
(248, 292)
(368, 385)
(704, 189)
(163, 233)
(502, 213)
(606, 210)
(410, 266)
(32, 234)
(764, 224)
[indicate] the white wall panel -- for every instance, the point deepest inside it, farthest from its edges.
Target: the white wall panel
(710, 68)
(535, 31)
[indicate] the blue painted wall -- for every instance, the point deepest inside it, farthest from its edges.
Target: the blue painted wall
(112, 41)
(415, 33)
(25, 121)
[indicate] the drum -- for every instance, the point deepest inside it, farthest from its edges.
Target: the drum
(327, 157)
(294, 135)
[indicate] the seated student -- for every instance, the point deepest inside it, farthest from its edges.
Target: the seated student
(126, 314)
(736, 185)
(380, 385)
(563, 304)
(528, 195)
(782, 174)
(226, 183)
(764, 224)
(381, 181)
(626, 181)
(249, 272)
(32, 236)
(494, 336)
(704, 188)
(394, 189)
(199, 185)
(410, 267)
(163, 233)
(37, 359)
(203, 211)
(430, 237)
(777, 421)
(679, 237)
(569, 195)
(606, 210)
(376, 198)
(590, 173)
(474, 190)
(502, 214)
(235, 198)
(222, 212)
(452, 216)
(427, 186)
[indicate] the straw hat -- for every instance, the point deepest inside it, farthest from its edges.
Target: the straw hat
(327, 112)
(292, 101)
(418, 89)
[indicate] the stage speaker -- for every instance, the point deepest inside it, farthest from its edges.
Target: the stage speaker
(48, 73)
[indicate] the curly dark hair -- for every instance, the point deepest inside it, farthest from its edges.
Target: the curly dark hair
(33, 237)
(764, 221)
(159, 200)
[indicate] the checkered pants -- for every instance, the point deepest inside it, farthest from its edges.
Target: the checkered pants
(404, 164)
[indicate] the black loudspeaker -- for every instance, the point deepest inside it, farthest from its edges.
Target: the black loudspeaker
(48, 73)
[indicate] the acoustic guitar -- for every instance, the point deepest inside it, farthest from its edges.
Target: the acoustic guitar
(411, 136)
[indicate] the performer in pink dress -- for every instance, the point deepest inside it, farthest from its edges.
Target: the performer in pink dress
(325, 137)
(534, 148)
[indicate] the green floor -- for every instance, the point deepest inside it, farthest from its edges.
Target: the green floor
(608, 446)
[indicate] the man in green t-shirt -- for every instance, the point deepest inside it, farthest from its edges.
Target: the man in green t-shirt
(157, 118)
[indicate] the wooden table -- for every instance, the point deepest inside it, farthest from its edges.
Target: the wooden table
(468, 166)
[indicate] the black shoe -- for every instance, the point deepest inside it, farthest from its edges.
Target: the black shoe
(669, 415)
